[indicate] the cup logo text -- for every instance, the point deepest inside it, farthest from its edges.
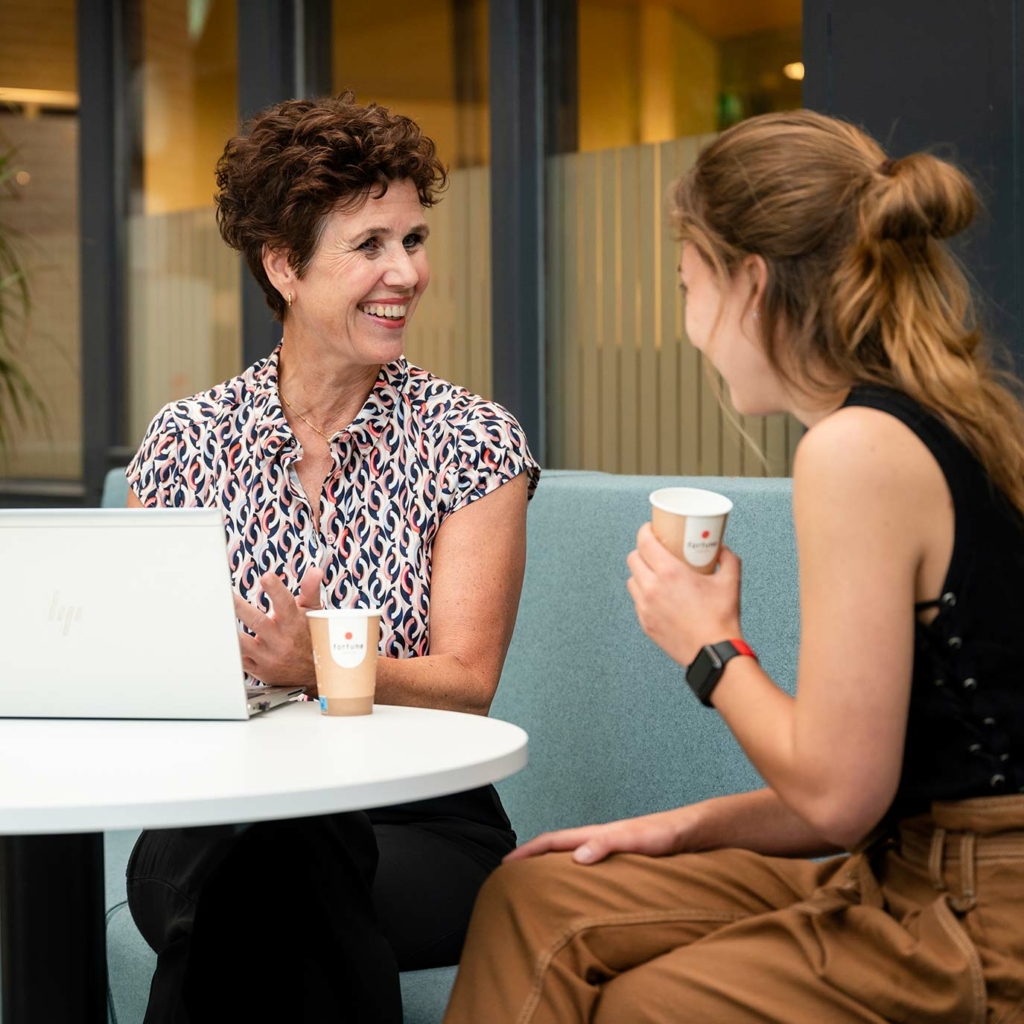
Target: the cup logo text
(348, 642)
(702, 538)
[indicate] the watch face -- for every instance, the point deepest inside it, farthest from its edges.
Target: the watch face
(704, 673)
(699, 672)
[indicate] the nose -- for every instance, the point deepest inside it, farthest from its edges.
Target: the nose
(401, 271)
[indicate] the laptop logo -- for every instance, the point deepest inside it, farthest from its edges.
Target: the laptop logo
(64, 614)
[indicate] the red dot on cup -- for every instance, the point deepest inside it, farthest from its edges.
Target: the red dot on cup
(348, 636)
(706, 534)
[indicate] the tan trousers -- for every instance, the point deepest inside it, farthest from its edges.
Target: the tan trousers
(925, 927)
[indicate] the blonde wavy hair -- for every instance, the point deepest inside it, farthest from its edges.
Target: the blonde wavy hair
(861, 287)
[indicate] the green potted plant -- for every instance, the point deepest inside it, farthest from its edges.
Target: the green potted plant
(17, 395)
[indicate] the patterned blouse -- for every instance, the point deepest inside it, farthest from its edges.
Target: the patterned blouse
(419, 450)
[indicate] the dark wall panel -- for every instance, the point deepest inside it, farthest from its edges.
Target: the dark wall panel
(283, 52)
(941, 75)
(517, 205)
(103, 158)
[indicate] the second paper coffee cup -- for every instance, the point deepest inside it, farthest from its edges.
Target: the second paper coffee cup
(345, 644)
(690, 522)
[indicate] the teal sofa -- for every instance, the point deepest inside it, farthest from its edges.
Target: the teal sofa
(613, 729)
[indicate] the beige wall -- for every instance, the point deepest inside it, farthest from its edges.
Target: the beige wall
(37, 45)
(418, 78)
(696, 77)
(609, 57)
(190, 101)
(646, 74)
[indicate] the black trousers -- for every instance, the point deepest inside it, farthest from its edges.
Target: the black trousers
(307, 919)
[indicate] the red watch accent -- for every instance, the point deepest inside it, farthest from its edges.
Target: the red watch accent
(707, 668)
(744, 648)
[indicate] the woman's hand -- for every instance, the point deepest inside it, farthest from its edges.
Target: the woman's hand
(655, 835)
(678, 608)
(281, 653)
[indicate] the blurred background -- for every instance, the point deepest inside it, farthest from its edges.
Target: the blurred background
(563, 122)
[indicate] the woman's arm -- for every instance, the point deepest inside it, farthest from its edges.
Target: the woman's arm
(478, 561)
(835, 752)
(863, 506)
(757, 821)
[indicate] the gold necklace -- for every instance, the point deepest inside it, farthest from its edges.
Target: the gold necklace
(326, 437)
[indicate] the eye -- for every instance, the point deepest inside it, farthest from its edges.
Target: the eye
(370, 245)
(413, 241)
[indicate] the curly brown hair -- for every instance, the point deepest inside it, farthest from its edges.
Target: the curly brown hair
(297, 162)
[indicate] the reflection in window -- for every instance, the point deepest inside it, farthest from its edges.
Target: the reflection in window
(184, 311)
(39, 124)
(656, 80)
(649, 72)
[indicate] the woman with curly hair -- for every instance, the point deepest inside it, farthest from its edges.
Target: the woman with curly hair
(348, 476)
(819, 284)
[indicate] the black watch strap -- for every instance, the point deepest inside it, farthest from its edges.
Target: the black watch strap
(706, 669)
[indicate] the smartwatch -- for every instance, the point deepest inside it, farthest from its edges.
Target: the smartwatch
(707, 668)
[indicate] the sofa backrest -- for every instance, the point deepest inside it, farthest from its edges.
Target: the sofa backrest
(614, 730)
(115, 489)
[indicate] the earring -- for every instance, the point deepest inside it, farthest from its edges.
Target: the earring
(289, 299)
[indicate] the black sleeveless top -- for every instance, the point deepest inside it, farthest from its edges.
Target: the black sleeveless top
(965, 730)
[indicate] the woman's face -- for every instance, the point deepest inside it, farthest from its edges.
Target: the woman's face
(721, 323)
(365, 279)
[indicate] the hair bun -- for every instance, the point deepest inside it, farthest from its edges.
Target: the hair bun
(919, 196)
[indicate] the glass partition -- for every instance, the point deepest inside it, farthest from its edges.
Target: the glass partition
(39, 218)
(184, 302)
(627, 393)
(434, 69)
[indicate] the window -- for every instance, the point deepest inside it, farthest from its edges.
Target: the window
(184, 304)
(655, 81)
(39, 217)
(428, 60)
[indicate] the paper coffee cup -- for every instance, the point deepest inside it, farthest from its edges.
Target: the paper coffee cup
(345, 644)
(690, 522)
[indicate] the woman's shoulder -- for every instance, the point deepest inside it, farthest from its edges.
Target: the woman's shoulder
(443, 404)
(861, 460)
(484, 441)
(857, 441)
(209, 408)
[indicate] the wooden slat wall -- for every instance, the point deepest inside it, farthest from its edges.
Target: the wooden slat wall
(184, 329)
(609, 325)
(628, 393)
(450, 334)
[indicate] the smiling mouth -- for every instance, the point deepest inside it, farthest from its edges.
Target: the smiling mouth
(384, 310)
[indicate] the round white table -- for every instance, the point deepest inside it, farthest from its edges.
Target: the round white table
(64, 782)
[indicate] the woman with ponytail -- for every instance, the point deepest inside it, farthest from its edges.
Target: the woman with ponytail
(819, 285)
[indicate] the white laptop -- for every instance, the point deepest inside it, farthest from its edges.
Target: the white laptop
(120, 613)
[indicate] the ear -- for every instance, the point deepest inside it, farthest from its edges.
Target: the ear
(757, 273)
(275, 263)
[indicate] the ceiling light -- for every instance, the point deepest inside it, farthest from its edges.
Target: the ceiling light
(794, 71)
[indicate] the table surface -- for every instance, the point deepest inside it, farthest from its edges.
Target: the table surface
(62, 775)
